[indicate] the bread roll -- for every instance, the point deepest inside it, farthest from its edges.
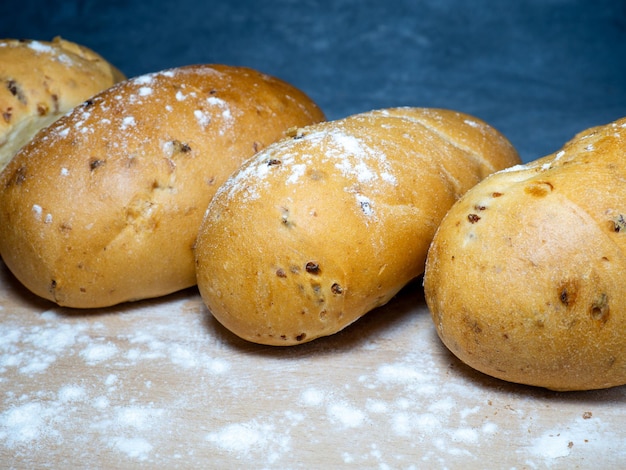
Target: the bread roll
(525, 278)
(41, 81)
(104, 205)
(320, 228)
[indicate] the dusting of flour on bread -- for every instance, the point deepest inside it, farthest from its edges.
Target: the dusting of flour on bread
(359, 165)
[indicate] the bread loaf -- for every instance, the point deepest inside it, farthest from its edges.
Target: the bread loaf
(525, 278)
(104, 205)
(320, 228)
(41, 81)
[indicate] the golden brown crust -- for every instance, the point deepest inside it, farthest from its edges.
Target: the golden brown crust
(524, 278)
(316, 230)
(104, 205)
(42, 80)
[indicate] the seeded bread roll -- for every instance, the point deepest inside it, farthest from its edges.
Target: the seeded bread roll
(41, 81)
(318, 229)
(104, 205)
(525, 276)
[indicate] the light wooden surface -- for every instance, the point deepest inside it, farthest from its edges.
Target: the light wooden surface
(160, 384)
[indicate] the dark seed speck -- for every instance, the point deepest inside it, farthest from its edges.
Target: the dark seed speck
(313, 268)
(93, 164)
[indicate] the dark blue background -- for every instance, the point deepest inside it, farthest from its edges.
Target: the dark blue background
(538, 70)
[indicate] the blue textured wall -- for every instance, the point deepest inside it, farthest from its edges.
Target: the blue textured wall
(539, 70)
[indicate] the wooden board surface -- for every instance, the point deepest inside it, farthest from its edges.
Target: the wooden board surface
(160, 384)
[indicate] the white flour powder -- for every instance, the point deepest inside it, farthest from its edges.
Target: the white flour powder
(160, 384)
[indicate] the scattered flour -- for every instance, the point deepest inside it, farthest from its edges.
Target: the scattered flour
(377, 406)
(399, 373)
(146, 79)
(465, 435)
(111, 380)
(579, 434)
(347, 415)
(37, 210)
(69, 393)
(160, 385)
(128, 121)
(203, 118)
(472, 123)
(356, 162)
(33, 349)
(252, 439)
(134, 447)
(239, 438)
(312, 397)
(95, 353)
(297, 171)
(444, 405)
(137, 417)
(23, 424)
(41, 47)
(489, 428)
(552, 447)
